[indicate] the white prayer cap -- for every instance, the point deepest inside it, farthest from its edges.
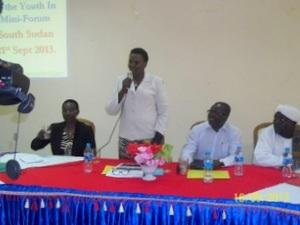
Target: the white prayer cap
(289, 111)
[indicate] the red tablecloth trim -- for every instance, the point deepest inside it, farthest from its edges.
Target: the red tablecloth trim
(71, 175)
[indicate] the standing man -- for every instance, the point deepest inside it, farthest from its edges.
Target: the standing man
(215, 136)
(141, 98)
(272, 140)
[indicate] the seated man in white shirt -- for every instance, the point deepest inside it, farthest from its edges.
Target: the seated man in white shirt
(276, 138)
(215, 136)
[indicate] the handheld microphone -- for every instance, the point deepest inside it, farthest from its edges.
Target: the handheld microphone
(130, 75)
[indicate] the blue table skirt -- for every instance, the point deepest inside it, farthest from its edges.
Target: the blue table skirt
(30, 205)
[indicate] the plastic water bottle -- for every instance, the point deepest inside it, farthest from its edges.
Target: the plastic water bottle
(238, 162)
(208, 167)
(287, 171)
(88, 158)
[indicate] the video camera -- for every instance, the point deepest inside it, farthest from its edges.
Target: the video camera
(14, 86)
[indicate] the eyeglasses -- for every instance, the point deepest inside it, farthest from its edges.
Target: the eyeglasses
(217, 113)
(117, 171)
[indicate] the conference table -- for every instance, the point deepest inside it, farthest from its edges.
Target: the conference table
(64, 194)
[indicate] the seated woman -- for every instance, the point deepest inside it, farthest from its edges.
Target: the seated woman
(66, 138)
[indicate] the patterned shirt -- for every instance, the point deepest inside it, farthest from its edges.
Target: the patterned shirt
(66, 143)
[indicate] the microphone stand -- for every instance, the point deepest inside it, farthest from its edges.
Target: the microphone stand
(13, 168)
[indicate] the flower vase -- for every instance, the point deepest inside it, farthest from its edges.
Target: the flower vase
(149, 172)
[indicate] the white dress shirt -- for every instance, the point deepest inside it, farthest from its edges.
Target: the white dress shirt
(143, 111)
(270, 147)
(222, 145)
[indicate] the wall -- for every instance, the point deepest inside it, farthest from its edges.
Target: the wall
(243, 52)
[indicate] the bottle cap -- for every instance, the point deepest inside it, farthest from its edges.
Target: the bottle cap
(88, 145)
(286, 149)
(238, 149)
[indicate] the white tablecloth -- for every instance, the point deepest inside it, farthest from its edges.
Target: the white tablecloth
(27, 160)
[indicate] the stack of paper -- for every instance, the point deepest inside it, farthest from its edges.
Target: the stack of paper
(27, 160)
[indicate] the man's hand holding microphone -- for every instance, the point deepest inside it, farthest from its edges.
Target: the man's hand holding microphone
(125, 86)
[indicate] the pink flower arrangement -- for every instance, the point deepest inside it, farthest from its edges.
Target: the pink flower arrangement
(146, 154)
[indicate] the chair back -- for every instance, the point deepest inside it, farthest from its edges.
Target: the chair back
(197, 123)
(88, 123)
(256, 131)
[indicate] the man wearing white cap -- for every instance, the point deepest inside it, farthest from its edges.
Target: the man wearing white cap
(274, 139)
